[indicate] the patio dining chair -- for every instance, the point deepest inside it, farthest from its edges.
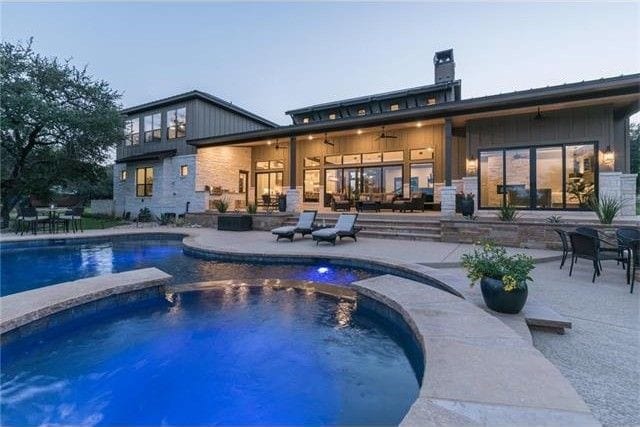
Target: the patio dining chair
(627, 244)
(565, 244)
(608, 251)
(72, 219)
(585, 246)
(633, 260)
(29, 220)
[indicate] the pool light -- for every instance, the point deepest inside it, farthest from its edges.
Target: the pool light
(322, 270)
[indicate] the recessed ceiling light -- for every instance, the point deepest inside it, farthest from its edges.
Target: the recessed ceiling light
(419, 124)
(269, 142)
(359, 131)
(310, 137)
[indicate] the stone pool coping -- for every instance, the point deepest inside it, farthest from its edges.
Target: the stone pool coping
(23, 308)
(478, 371)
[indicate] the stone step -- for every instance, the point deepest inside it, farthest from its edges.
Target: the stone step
(431, 237)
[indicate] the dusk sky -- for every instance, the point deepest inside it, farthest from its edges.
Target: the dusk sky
(270, 57)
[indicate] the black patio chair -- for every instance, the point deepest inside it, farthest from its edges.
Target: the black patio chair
(585, 246)
(626, 237)
(29, 220)
(608, 251)
(565, 244)
(634, 260)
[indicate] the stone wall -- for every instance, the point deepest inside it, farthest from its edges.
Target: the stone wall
(522, 234)
(220, 167)
(261, 221)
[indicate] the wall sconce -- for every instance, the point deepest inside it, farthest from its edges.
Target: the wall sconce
(608, 156)
(472, 166)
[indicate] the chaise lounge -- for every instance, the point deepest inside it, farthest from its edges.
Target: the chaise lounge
(304, 226)
(345, 227)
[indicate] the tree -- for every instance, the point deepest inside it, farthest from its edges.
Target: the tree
(57, 124)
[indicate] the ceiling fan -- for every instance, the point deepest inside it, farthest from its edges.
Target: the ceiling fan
(538, 115)
(326, 141)
(384, 135)
(278, 146)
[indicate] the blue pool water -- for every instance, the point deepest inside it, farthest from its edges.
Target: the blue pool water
(28, 267)
(225, 356)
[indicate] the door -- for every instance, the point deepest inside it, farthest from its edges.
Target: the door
(353, 178)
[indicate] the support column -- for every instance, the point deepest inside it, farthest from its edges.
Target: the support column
(448, 152)
(294, 199)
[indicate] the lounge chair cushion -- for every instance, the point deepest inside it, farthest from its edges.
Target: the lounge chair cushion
(288, 229)
(325, 233)
(345, 222)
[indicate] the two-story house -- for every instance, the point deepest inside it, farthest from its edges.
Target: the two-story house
(156, 168)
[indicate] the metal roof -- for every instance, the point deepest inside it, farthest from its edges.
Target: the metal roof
(153, 155)
(197, 94)
(605, 87)
(376, 97)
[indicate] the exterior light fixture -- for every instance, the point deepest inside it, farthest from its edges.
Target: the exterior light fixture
(609, 156)
(472, 166)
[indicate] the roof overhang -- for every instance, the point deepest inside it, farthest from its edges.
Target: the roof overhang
(591, 92)
(154, 155)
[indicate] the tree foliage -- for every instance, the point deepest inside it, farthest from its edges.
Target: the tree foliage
(58, 124)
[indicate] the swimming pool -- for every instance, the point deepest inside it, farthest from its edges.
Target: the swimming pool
(232, 355)
(28, 266)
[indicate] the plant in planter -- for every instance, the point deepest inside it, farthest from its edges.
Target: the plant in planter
(467, 205)
(144, 215)
(507, 213)
(607, 208)
(553, 219)
(503, 278)
(222, 205)
(252, 208)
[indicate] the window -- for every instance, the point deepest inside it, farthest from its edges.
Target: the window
(372, 180)
(177, 123)
(372, 158)
(184, 170)
(422, 154)
(431, 101)
(262, 165)
(550, 177)
(332, 116)
(351, 159)
(132, 132)
(333, 160)
(393, 156)
(362, 112)
(152, 128)
(276, 164)
(123, 175)
(394, 107)
(333, 185)
(392, 180)
(312, 185)
(305, 120)
(311, 161)
(144, 182)
(268, 185)
(421, 178)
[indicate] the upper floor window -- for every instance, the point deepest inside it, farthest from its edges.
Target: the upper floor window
(132, 132)
(305, 120)
(332, 116)
(184, 170)
(177, 123)
(144, 182)
(123, 175)
(394, 107)
(431, 101)
(152, 128)
(362, 112)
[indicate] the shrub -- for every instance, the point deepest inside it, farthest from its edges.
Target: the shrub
(222, 205)
(145, 215)
(554, 219)
(507, 213)
(492, 261)
(252, 208)
(607, 208)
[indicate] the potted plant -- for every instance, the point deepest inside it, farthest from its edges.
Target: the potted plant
(503, 278)
(467, 205)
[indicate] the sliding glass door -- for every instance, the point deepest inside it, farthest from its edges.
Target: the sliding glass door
(549, 177)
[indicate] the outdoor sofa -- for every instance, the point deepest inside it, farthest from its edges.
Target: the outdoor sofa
(304, 226)
(345, 227)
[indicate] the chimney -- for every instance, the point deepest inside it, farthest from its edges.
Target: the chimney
(444, 66)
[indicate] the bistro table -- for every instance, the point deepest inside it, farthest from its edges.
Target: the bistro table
(53, 215)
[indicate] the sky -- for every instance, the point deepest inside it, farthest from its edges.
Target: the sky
(271, 57)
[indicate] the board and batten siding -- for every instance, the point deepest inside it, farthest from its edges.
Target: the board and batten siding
(556, 127)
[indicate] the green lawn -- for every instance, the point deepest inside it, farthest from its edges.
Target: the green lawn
(94, 223)
(638, 205)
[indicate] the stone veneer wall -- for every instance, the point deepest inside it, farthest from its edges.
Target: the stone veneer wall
(171, 191)
(220, 167)
(260, 221)
(521, 234)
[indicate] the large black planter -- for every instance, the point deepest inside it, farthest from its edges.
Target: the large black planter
(466, 207)
(499, 300)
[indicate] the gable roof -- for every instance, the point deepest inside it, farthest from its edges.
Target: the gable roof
(203, 96)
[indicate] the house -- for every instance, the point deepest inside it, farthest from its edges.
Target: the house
(550, 148)
(157, 169)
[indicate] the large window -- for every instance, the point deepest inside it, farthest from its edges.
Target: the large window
(268, 184)
(132, 132)
(177, 123)
(550, 177)
(333, 185)
(312, 185)
(392, 180)
(421, 178)
(370, 183)
(144, 182)
(152, 128)
(372, 180)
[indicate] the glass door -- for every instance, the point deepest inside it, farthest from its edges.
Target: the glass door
(352, 178)
(517, 185)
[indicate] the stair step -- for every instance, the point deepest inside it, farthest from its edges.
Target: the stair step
(400, 236)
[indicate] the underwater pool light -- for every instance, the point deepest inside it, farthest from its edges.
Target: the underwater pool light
(322, 270)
